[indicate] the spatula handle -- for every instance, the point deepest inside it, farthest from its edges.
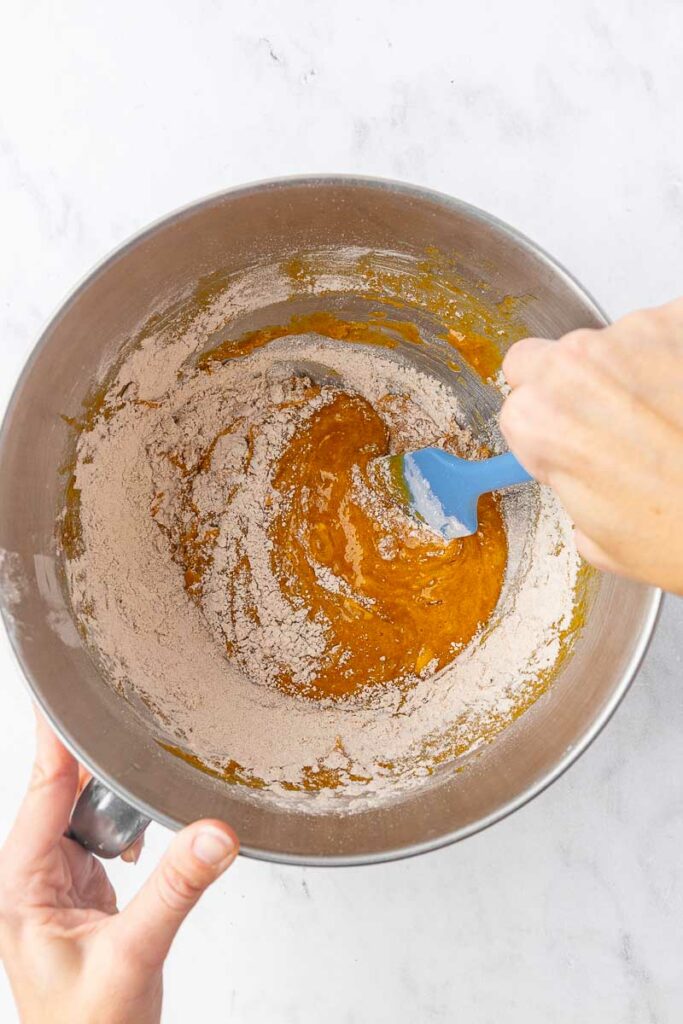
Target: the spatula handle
(500, 471)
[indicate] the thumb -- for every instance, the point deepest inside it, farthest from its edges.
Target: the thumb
(196, 857)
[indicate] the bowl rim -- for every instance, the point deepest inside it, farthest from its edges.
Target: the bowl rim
(475, 213)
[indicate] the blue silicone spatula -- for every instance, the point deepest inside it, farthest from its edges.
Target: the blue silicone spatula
(443, 491)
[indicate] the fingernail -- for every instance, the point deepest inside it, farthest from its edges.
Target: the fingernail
(211, 846)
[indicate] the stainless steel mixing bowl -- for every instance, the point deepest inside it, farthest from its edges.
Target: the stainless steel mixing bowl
(225, 233)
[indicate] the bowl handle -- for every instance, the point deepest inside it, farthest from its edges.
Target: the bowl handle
(104, 823)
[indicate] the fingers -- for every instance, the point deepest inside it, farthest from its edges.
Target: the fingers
(547, 417)
(524, 426)
(519, 427)
(522, 358)
(196, 857)
(593, 553)
(44, 813)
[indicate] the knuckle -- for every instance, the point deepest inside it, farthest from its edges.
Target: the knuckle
(39, 778)
(642, 321)
(577, 346)
(42, 778)
(524, 359)
(662, 325)
(668, 318)
(511, 416)
(513, 355)
(580, 337)
(521, 412)
(519, 425)
(176, 890)
(552, 446)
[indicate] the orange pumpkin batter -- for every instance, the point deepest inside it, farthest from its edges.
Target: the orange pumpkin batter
(394, 616)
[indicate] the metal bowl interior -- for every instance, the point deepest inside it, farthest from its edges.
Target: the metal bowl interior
(224, 234)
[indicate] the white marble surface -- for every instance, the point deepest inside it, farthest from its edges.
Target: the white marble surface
(564, 119)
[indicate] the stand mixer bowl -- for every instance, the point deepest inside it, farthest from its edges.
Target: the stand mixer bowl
(247, 226)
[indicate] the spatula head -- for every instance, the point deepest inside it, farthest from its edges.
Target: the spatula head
(437, 488)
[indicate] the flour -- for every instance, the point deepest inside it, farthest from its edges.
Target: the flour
(204, 646)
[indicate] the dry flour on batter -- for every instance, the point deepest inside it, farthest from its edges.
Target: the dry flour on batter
(157, 537)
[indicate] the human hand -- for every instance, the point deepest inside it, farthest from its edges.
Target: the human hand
(598, 415)
(70, 956)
